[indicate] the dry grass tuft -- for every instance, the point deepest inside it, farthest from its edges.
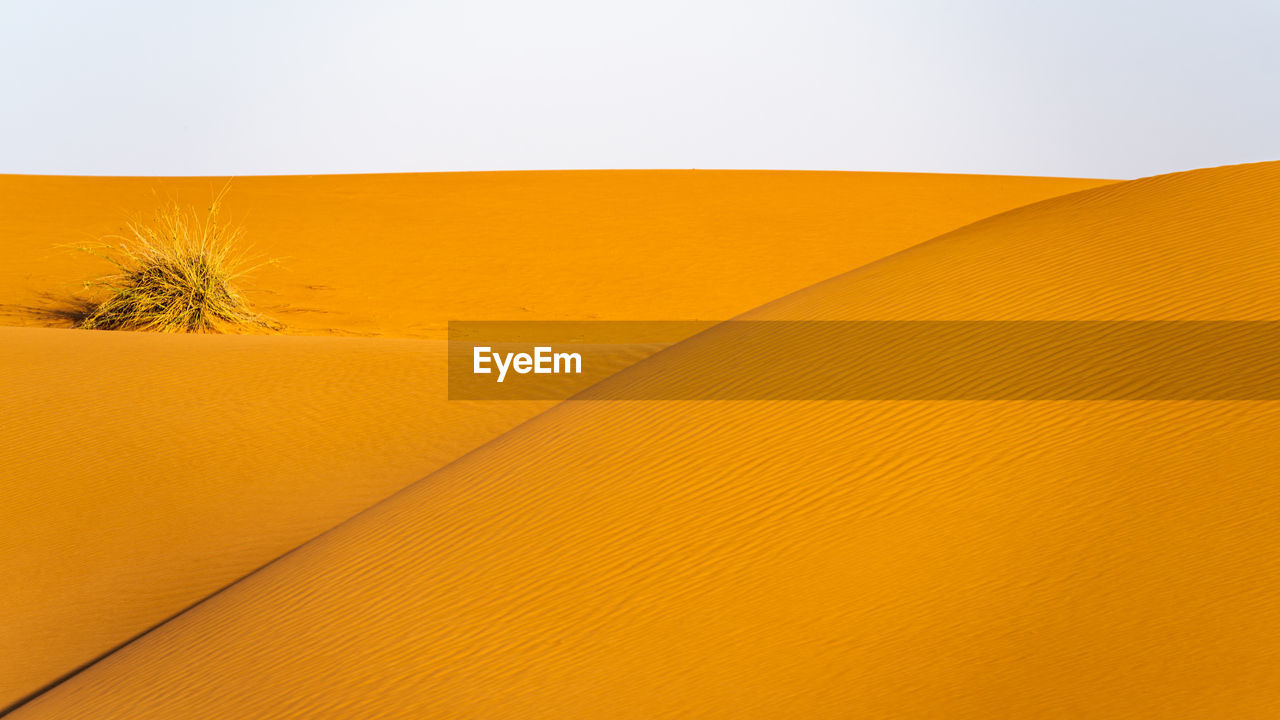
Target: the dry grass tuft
(177, 273)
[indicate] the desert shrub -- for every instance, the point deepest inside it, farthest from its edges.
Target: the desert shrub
(177, 273)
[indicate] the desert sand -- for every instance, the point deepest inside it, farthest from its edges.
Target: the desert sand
(891, 559)
(146, 472)
(400, 255)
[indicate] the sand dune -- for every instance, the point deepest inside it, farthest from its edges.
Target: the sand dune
(885, 559)
(400, 255)
(1197, 245)
(144, 472)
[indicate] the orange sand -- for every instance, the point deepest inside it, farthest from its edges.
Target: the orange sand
(144, 472)
(401, 255)
(811, 559)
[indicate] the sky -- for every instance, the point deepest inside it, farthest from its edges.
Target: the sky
(1086, 88)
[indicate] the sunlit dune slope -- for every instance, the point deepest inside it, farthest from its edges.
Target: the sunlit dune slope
(811, 559)
(1199, 245)
(142, 472)
(402, 254)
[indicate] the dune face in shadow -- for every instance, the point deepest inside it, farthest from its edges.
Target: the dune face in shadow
(877, 559)
(148, 470)
(143, 472)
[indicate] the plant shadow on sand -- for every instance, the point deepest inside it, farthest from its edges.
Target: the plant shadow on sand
(52, 310)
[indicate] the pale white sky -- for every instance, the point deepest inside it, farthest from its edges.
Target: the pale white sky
(1104, 88)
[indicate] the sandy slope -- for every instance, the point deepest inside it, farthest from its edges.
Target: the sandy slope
(402, 254)
(811, 559)
(143, 472)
